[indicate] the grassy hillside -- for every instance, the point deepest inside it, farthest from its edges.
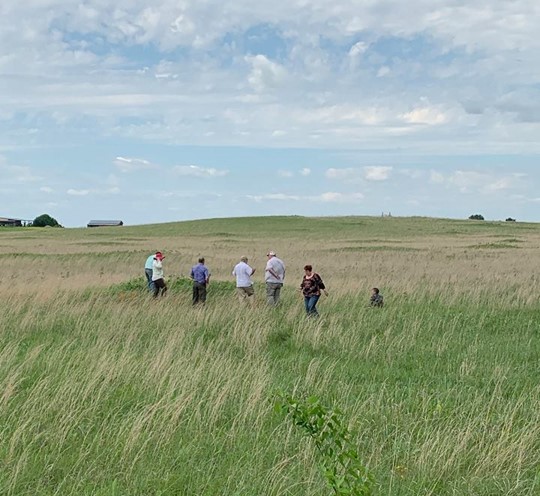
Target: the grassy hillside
(104, 391)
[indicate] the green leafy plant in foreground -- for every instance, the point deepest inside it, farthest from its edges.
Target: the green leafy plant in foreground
(342, 467)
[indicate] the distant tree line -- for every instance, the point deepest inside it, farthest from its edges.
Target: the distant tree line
(481, 217)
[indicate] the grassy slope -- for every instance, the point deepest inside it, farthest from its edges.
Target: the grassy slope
(103, 391)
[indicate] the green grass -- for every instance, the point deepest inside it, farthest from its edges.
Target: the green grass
(445, 391)
(107, 391)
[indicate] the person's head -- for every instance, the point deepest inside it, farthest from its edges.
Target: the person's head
(244, 259)
(201, 260)
(375, 290)
(159, 256)
(271, 254)
(308, 269)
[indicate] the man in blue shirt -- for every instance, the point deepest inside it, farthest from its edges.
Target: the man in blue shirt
(201, 277)
(148, 271)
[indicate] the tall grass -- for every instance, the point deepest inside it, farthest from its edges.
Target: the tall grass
(106, 391)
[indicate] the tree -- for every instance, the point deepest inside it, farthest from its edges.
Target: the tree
(45, 220)
(476, 217)
(510, 219)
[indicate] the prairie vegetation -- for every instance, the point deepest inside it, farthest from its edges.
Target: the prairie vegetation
(105, 391)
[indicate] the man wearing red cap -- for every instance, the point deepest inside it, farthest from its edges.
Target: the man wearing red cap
(157, 275)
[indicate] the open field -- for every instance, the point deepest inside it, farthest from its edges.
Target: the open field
(104, 391)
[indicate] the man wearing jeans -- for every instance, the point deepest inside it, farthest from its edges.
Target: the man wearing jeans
(274, 275)
(148, 271)
(200, 276)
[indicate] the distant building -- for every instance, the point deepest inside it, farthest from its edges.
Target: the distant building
(5, 222)
(104, 223)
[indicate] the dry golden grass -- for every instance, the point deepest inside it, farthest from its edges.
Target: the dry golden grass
(472, 261)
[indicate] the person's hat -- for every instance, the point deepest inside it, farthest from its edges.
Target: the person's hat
(159, 255)
(271, 253)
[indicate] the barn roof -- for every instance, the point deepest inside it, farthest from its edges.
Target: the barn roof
(9, 221)
(96, 223)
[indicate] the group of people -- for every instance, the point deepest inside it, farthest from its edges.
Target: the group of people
(311, 287)
(153, 270)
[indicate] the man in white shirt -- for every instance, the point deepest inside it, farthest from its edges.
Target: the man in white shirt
(244, 286)
(274, 276)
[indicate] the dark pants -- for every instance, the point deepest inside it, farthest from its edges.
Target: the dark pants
(199, 292)
(159, 284)
(311, 305)
(148, 274)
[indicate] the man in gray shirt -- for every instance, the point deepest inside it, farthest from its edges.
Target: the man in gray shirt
(274, 276)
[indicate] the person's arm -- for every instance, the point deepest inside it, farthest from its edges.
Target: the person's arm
(301, 288)
(321, 285)
(271, 270)
(192, 274)
(207, 274)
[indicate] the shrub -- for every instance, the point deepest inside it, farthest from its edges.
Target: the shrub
(45, 220)
(476, 217)
(342, 467)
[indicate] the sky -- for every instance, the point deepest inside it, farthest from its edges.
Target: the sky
(154, 111)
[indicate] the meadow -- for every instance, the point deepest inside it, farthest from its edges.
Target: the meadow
(106, 391)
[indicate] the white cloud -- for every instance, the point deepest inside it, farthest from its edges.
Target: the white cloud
(285, 173)
(196, 171)
(377, 173)
(16, 173)
(133, 164)
(78, 192)
(358, 49)
(274, 197)
(436, 177)
(383, 71)
(356, 52)
(472, 181)
(265, 74)
(305, 171)
(46, 189)
(334, 197)
(415, 174)
(328, 197)
(425, 115)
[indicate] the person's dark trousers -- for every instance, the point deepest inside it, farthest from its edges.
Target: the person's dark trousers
(311, 305)
(199, 292)
(148, 274)
(159, 284)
